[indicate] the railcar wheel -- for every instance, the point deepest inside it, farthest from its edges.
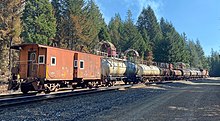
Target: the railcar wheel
(83, 85)
(24, 88)
(24, 91)
(47, 91)
(73, 87)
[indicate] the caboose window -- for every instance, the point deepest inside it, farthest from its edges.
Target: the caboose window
(81, 64)
(41, 59)
(75, 63)
(53, 61)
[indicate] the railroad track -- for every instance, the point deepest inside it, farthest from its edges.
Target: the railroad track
(15, 99)
(19, 94)
(19, 98)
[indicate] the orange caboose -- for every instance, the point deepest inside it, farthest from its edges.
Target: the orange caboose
(43, 67)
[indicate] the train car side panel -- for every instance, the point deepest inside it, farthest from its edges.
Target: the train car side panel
(42, 62)
(59, 64)
(88, 66)
(28, 61)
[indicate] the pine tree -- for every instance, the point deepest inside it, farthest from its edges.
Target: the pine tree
(148, 55)
(81, 27)
(60, 13)
(9, 30)
(95, 23)
(214, 62)
(193, 54)
(131, 37)
(147, 20)
(202, 59)
(39, 24)
(173, 44)
(115, 29)
(104, 34)
(185, 51)
(167, 43)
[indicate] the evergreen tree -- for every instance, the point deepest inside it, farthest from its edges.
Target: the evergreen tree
(194, 58)
(214, 62)
(76, 20)
(85, 23)
(147, 20)
(131, 37)
(185, 51)
(10, 29)
(115, 29)
(167, 43)
(95, 24)
(39, 24)
(104, 34)
(173, 44)
(148, 54)
(60, 13)
(202, 59)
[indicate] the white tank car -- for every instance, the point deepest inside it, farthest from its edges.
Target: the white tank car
(199, 73)
(176, 72)
(113, 67)
(193, 73)
(186, 72)
(144, 70)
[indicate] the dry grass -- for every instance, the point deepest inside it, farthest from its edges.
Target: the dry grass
(3, 88)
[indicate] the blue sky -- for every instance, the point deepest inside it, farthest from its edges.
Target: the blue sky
(199, 19)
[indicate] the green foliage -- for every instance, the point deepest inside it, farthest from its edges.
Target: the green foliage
(193, 54)
(79, 25)
(147, 20)
(214, 63)
(59, 7)
(125, 35)
(103, 34)
(202, 59)
(173, 44)
(95, 25)
(39, 24)
(131, 37)
(115, 30)
(9, 30)
(197, 58)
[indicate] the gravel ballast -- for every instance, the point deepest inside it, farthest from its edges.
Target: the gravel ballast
(172, 101)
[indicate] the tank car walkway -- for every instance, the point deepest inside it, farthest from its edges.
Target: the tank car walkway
(197, 100)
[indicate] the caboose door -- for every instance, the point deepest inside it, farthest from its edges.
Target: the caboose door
(31, 61)
(75, 64)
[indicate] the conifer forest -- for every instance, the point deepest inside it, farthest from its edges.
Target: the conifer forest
(77, 24)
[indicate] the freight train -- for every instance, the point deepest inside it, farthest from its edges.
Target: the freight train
(45, 68)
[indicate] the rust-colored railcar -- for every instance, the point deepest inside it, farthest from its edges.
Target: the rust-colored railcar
(40, 65)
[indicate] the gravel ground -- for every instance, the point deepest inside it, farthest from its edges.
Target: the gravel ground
(172, 101)
(3, 88)
(86, 107)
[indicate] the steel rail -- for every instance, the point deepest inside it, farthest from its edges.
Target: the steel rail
(40, 97)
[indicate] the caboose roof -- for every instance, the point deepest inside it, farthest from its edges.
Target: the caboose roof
(17, 47)
(20, 46)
